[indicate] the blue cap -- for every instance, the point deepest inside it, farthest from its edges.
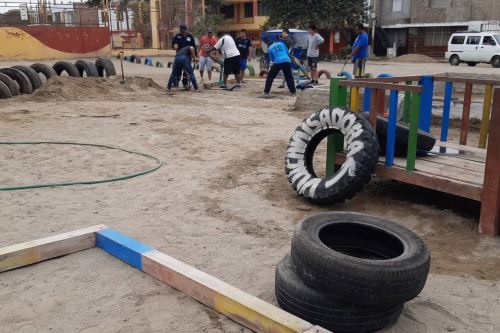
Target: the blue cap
(183, 27)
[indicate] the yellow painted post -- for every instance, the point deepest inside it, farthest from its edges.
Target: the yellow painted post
(483, 133)
(354, 99)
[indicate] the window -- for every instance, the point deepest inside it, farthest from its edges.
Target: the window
(488, 40)
(397, 5)
(437, 36)
(497, 37)
(458, 40)
(473, 40)
(228, 11)
(248, 9)
(262, 9)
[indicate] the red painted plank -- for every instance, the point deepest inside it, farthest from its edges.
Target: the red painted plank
(464, 128)
(490, 205)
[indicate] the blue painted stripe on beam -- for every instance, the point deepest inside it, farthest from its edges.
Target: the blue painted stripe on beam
(122, 246)
(448, 93)
(367, 99)
(391, 128)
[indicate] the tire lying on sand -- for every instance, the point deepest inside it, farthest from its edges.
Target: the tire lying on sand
(425, 141)
(317, 308)
(357, 258)
(35, 80)
(64, 66)
(325, 73)
(361, 149)
(46, 70)
(251, 70)
(134, 58)
(11, 84)
(87, 67)
(105, 67)
(4, 91)
(23, 81)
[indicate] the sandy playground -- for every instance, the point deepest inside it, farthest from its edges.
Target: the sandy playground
(221, 203)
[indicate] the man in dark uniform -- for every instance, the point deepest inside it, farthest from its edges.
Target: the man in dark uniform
(180, 41)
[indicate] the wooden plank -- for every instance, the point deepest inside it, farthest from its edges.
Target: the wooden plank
(354, 99)
(391, 128)
(367, 96)
(372, 116)
(413, 132)
(453, 161)
(466, 80)
(485, 120)
(335, 142)
(448, 94)
(466, 150)
(425, 116)
(381, 102)
(464, 127)
(236, 304)
(28, 253)
(379, 85)
(395, 79)
(489, 222)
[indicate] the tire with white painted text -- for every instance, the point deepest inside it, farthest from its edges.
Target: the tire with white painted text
(360, 146)
(360, 259)
(294, 296)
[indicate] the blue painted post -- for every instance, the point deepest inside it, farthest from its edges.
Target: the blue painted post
(391, 128)
(367, 99)
(448, 92)
(427, 83)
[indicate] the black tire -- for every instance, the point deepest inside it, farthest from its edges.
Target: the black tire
(11, 84)
(471, 64)
(105, 66)
(361, 259)
(169, 64)
(355, 173)
(425, 141)
(4, 91)
(134, 58)
(263, 73)
(325, 73)
(46, 70)
(64, 66)
(495, 62)
(454, 60)
(317, 308)
(24, 82)
(32, 75)
(87, 67)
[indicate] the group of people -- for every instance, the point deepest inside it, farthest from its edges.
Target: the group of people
(236, 55)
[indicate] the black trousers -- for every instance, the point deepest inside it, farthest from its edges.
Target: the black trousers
(286, 67)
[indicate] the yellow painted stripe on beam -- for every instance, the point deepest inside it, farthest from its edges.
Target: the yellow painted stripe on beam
(27, 253)
(234, 303)
(354, 99)
(485, 121)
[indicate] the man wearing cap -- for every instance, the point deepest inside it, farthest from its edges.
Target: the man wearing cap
(180, 41)
(207, 42)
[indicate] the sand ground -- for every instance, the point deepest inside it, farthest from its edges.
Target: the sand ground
(221, 203)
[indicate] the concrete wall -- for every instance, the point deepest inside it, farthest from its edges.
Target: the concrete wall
(387, 16)
(433, 11)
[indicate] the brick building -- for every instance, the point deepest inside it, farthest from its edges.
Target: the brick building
(424, 26)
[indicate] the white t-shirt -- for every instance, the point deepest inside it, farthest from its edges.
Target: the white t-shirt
(228, 46)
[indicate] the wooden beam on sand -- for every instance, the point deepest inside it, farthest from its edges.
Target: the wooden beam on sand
(28, 253)
(234, 303)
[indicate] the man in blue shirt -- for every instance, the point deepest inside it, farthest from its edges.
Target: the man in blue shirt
(359, 52)
(280, 60)
(180, 41)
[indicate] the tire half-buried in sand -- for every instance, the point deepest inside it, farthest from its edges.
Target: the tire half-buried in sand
(360, 146)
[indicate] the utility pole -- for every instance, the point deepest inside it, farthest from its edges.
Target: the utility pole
(373, 18)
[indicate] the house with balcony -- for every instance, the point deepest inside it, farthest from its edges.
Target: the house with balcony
(241, 14)
(425, 26)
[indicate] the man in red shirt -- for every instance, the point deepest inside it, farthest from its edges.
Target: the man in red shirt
(207, 42)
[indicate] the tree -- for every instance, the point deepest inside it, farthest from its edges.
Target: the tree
(326, 14)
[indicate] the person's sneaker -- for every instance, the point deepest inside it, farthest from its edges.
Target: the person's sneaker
(293, 94)
(169, 90)
(197, 91)
(266, 95)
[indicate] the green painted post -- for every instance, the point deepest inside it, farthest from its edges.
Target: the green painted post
(335, 142)
(412, 136)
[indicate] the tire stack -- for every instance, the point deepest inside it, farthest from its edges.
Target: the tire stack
(350, 272)
(18, 80)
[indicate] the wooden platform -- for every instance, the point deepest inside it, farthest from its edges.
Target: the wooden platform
(460, 174)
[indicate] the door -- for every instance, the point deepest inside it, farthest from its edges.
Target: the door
(488, 48)
(471, 49)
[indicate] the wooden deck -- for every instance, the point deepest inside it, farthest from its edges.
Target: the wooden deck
(460, 173)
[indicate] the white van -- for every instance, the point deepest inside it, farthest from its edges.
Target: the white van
(473, 48)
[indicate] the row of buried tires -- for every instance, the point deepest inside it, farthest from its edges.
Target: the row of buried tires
(18, 80)
(350, 272)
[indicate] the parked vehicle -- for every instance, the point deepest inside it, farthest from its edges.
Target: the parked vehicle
(473, 48)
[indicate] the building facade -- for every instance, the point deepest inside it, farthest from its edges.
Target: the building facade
(425, 26)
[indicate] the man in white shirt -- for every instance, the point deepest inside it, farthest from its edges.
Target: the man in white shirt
(232, 57)
(314, 40)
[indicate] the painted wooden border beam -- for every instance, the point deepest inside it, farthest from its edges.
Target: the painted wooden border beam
(28, 253)
(234, 303)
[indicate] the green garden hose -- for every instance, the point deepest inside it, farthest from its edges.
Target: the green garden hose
(81, 182)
